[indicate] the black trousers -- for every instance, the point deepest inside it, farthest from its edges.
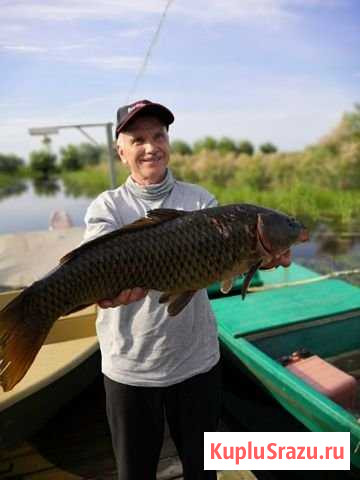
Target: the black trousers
(136, 417)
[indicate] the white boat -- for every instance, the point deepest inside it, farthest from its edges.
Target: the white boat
(59, 220)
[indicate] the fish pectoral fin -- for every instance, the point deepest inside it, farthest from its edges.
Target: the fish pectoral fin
(165, 297)
(226, 285)
(177, 301)
(248, 278)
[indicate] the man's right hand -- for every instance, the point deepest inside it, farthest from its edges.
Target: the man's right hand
(124, 298)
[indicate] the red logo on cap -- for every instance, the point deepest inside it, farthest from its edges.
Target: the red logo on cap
(137, 105)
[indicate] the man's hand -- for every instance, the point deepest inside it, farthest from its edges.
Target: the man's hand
(124, 298)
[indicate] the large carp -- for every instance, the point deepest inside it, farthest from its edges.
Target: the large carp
(172, 251)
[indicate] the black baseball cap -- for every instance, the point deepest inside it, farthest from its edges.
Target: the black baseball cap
(129, 112)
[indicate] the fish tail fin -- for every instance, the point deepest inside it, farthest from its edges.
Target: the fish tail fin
(19, 342)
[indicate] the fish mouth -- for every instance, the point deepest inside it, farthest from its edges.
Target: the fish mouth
(304, 235)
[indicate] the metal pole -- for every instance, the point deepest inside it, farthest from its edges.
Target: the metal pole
(108, 127)
(109, 136)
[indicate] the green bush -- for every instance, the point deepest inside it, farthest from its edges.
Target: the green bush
(267, 148)
(246, 147)
(207, 143)
(226, 145)
(10, 163)
(70, 158)
(180, 147)
(91, 154)
(42, 163)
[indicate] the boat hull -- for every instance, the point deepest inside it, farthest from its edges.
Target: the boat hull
(259, 333)
(26, 417)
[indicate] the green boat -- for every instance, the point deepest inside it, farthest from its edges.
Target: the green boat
(322, 317)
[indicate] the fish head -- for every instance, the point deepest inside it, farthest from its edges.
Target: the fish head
(276, 233)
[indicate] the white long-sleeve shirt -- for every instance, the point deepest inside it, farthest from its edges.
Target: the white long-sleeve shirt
(140, 344)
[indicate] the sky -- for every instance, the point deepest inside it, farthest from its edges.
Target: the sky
(283, 71)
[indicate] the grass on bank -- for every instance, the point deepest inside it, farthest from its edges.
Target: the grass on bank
(91, 181)
(311, 203)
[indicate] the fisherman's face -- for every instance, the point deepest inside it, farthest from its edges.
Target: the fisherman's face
(144, 148)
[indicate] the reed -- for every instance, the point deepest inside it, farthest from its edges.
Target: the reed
(313, 190)
(313, 205)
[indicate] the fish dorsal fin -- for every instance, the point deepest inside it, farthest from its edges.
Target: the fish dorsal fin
(165, 214)
(154, 217)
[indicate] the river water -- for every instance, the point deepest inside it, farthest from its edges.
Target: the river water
(29, 205)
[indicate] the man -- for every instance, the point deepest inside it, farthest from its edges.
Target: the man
(153, 365)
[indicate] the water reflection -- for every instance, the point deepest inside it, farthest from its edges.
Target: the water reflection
(336, 244)
(47, 186)
(16, 187)
(73, 190)
(331, 251)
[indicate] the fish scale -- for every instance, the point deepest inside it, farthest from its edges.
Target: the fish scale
(172, 251)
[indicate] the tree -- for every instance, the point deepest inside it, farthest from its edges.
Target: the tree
(353, 121)
(226, 145)
(91, 154)
(10, 163)
(70, 158)
(42, 163)
(348, 130)
(268, 147)
(246, 147)
(207, 143)
(181, 147)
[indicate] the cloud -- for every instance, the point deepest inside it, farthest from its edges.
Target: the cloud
(20, 20)
(213, 10)
(316, 3)
(24, 48)
(75, 46)
(233, 10)
(114, 62)
(60, 53)
(69, 10)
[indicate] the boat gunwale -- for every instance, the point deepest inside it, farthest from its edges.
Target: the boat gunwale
(302, 325)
